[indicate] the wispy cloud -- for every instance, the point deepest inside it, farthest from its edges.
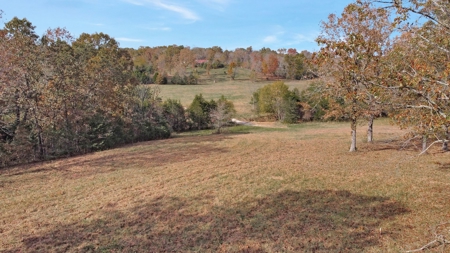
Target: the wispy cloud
(300, 38)
(184, 12)
(277, 32)
(128, 39)
(270, 39)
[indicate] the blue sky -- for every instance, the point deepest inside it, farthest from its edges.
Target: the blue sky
(196, 23)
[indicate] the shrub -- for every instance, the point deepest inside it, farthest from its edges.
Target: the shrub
(143, 74)
(177, 79)
(222, 114)
(278, 101)
(148, 122)
(217, 65)
(174, 114)
(199, 112)
(160, 78)
(190, 79)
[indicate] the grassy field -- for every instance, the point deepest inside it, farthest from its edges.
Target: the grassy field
(217, 84)
(253, 189)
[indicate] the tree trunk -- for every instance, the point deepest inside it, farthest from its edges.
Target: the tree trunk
(370, 130)
(445, 143)
(353, 126)
(17, 120)
(40, 140)
(424, 143)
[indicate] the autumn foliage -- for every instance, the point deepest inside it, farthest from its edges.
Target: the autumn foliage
(63, 96)
(375, 58)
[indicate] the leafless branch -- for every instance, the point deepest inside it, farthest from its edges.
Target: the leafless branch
(424, 247)
(399, 6)
(405, 143)
(435, 142)
(437, 81)
(438, 241)
(427, 40)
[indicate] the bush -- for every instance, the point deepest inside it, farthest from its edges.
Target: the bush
(292, 110)
(177, 79)
(160, 78)
(278, 101)
(143, 74)
(199, 112)
(190, 79)
(222, 114)
(217, 65)
(174, 114)
(104, 133)
(148, 122)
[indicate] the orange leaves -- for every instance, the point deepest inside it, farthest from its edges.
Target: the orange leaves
(269, 64)
(231, 71)
(351, 57)
(58, 34)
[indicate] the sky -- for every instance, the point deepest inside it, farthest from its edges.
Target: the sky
(229, 24)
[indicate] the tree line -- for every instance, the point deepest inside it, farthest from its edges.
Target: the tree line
(63, 96)
(177, 64)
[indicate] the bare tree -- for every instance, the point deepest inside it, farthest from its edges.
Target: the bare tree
(222, 114)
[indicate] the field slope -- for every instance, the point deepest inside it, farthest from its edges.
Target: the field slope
(239, 91)
(293, 189)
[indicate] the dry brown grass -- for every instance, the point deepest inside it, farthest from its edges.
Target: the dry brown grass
(293, 189)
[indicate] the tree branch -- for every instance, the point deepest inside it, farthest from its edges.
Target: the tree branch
(427, 40)
(438, 141)
(438, 241)
(398, 5)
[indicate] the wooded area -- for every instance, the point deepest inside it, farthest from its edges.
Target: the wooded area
(62, 96)
(177, 64)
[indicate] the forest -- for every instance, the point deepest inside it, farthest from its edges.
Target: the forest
(63, 96)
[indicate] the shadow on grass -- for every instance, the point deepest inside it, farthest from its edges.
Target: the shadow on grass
(226, 133)
(144, 154)
(445, 167)
(391, 144)
(288, 221)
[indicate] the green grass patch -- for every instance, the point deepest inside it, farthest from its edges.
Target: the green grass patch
(239, 91)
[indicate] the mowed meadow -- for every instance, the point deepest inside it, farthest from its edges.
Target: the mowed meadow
(239, 91)
(277, 188)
